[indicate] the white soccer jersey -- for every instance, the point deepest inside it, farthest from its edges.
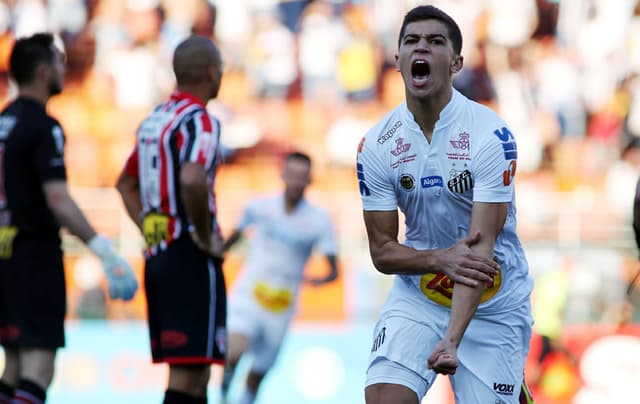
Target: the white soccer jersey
(280, 248)
(471, 158)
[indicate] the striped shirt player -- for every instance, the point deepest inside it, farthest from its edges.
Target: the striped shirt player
(185, 287)
(471, 158)
(177, 131)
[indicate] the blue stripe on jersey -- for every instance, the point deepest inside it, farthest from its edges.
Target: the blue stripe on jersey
(510, 150)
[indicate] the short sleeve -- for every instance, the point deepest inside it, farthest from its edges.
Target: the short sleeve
(376, 191)
(202, 134)
(494, 167)
(131, 166)
(49, 153)
(249, 216)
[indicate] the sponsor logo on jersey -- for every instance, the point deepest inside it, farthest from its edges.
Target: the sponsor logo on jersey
(364, 189)
(389, 134)
(503, 388)
(407, 182)
(439, 288)
(432, 181)
(273, 299)
(401, 147)
(509, 173)
(379, 340)
(510, 152)
(172, 339)
(461, 182)
(508, 143)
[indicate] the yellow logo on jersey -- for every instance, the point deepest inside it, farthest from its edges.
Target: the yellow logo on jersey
(273, 299)
(7, 234)
(439, 288)
(155, 227)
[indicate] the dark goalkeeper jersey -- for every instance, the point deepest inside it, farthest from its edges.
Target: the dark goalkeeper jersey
(31, 153)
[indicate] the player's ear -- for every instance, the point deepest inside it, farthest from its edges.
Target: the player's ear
(397, 64)
(457, 63)
(42, 72)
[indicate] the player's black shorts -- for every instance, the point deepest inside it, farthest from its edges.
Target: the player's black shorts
(32, 295)
(186, 305)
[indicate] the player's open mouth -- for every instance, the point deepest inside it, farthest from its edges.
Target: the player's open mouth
(420, 71)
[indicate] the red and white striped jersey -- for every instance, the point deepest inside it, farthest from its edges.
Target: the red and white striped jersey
(178, 131)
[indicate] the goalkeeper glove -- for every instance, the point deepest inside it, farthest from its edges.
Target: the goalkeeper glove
(122, 282)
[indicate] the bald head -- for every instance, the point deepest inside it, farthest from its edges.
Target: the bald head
(195, 60)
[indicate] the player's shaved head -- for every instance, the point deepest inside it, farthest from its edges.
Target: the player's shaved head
(193, 59)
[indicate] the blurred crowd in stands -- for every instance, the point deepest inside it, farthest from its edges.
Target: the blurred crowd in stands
(316, 74)
(561, 72)
(320, 71)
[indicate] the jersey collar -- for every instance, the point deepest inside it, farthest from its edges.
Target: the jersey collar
(32, 101)
(448, 115)
(178, 95)
(450, 112)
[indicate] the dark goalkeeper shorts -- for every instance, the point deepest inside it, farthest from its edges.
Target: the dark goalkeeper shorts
(32, 295)
(186, 305)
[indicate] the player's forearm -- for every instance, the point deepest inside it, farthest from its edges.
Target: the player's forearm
(232, 240)
(69, 215)
(130, 194)
(465, 301)
(66, 211)
(397, 259)
(196, 204)
(488, 219)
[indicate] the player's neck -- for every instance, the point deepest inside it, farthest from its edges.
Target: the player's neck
(35, 93)
(426, 110)
(198, 91)
(290, 204)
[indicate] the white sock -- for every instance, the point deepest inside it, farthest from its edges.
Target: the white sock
(248, 397)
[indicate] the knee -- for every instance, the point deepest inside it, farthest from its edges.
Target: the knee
(253, 380)
(37, 366)
(190, 380)
(384, 393)
(238, 344)
(11, 373)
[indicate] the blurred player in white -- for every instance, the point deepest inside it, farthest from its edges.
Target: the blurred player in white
(287, 230)
(448, 164)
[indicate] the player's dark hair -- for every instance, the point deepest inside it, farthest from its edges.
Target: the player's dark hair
(28, 53)
(421, 13)
(298, 156)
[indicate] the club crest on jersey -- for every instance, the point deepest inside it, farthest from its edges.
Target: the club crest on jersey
(461, 182)
(407, 182)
